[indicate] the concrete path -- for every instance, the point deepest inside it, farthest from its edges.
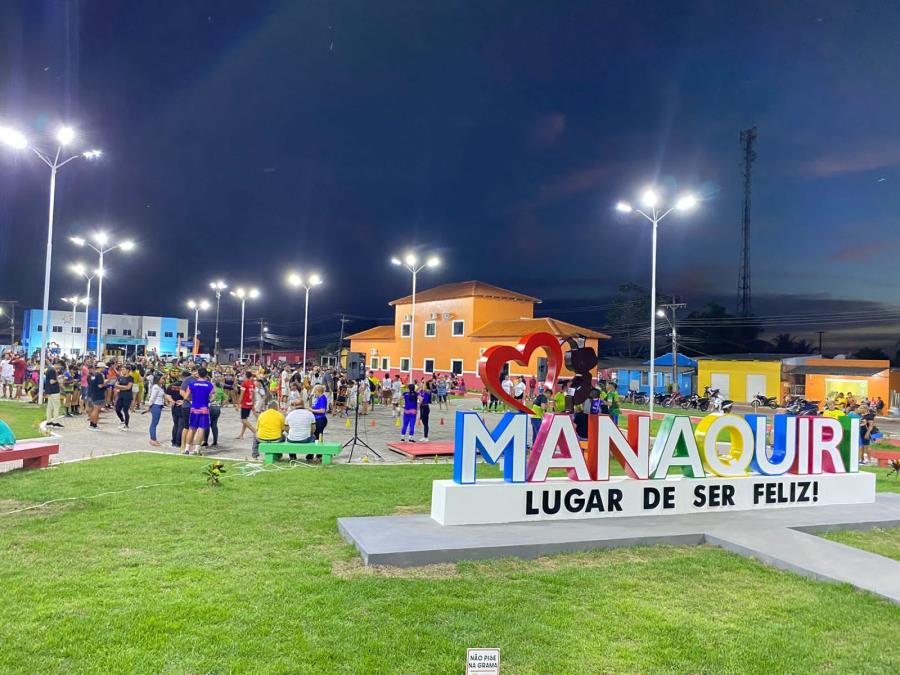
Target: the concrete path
(778, 537)
(77, 442)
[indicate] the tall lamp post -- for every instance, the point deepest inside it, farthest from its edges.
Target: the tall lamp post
(197, 306)
(242, 295)
(103, 246)
(411, 262)
(81, 270)
(653, 213)
(75, 301)
(297, 281)
(64, 137)
(218, 287)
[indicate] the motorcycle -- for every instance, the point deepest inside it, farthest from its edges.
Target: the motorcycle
(636, 397)
(719, 403)
(674, 399)
(692, 401)
(800, 407)
(762, 400)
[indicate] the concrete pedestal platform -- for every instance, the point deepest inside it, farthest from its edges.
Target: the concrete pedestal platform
(778, 537)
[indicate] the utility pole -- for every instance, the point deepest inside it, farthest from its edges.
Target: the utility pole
(341, 341)
(748, 143)
(261, 328)
(673, 321)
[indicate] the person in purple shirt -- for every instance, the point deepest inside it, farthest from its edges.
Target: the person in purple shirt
(200, 391)
(410, 405)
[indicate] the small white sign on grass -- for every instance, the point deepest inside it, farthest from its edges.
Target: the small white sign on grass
(481, 661)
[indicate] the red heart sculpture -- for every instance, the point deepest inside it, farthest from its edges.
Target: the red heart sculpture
(491, 364)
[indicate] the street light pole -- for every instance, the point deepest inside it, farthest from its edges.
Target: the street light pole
(75, 300)
(102, 249)
(197, 306)
(242, 295)
(673, 307)
(81, 271)
(16, 140)
(297, 281)
(411, 263)
(218, 287)
(651, 202)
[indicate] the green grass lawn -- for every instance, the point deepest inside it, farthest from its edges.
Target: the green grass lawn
(252, 576)
(23, 418)
(883, 542)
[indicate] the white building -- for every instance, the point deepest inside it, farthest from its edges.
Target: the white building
(125, 335)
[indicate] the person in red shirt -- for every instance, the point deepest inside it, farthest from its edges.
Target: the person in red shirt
(248, 389)
(19, 365)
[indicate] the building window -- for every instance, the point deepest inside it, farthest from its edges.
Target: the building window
(151, 333)
(110, 331)
(456, 366)
(404, 364)
(126, 331)
(405, 329)
(40, 328)
(430, 328)
(645, 378)
(92, 330)
(385, 363)
(428, 365)
(458, 327)
(76, 329)
(181, 336)
(56, 329)
(373, 364)
(167, 334)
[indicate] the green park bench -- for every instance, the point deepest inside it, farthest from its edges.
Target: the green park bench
(327, 450)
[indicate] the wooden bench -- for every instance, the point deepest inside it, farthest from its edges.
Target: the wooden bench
(327, 450)
(35, 454)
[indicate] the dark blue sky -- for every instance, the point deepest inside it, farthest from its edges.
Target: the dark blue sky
(246, 138)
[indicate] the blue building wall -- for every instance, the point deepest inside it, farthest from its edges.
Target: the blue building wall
(168, 345)
(686, 380)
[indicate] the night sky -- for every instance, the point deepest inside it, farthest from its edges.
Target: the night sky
(244, 139)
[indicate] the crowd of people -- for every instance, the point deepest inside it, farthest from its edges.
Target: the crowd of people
(840, 405)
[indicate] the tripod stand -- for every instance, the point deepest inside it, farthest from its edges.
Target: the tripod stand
(356, 440)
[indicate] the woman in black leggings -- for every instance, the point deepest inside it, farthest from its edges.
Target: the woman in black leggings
(124, 398)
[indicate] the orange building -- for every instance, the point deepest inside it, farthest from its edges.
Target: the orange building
(864, 378)
(454, 324)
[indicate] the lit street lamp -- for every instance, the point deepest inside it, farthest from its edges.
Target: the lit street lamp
(654, 214)
(81, 270)
(218, 287)
(103, 247)
(17, 141)
(411, 263)
(242, 295)
(75, 301)
(297, 281)
(197, 306)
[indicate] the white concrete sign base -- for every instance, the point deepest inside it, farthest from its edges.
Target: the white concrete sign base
(496, 501)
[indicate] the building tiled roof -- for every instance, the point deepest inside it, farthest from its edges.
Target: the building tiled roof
(376, 333)
(519, 327)
(465, 289)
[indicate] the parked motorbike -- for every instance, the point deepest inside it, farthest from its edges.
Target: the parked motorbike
(674, 399)
(636, 397)
(768, 401)
(801, 407)
(692, 401)
(718, 402)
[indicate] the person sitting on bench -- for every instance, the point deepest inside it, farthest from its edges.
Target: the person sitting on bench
(269, 427)
(300, 422)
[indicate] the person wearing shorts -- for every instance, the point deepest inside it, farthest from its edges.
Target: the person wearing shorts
(248, 390)
(201, 392)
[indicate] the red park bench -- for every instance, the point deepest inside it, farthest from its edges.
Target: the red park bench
(34, 453)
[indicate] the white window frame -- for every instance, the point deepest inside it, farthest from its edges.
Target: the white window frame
(404, 359)
(385, 363)
(126, 331)
(151, 333)
(56, 329)
(425, 365)
(168, 334)
(405, 329)
(453, 332)
(461, 364)
(92, 330)
(373, 363)
(425, 329)
(110, 331)
(76, 329)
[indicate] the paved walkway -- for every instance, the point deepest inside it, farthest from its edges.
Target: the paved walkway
(377, 429)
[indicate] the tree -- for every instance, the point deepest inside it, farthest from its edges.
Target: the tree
(785, 343)
(712, 330)
(629, 313)
(871, 353)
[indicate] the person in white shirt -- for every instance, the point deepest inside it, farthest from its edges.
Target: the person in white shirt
(519, 389)
(507, 387)
(6, 377)
(396, 393)
(300, 423)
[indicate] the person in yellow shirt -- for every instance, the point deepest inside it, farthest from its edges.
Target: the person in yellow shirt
(832, 411)
(269, 427)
